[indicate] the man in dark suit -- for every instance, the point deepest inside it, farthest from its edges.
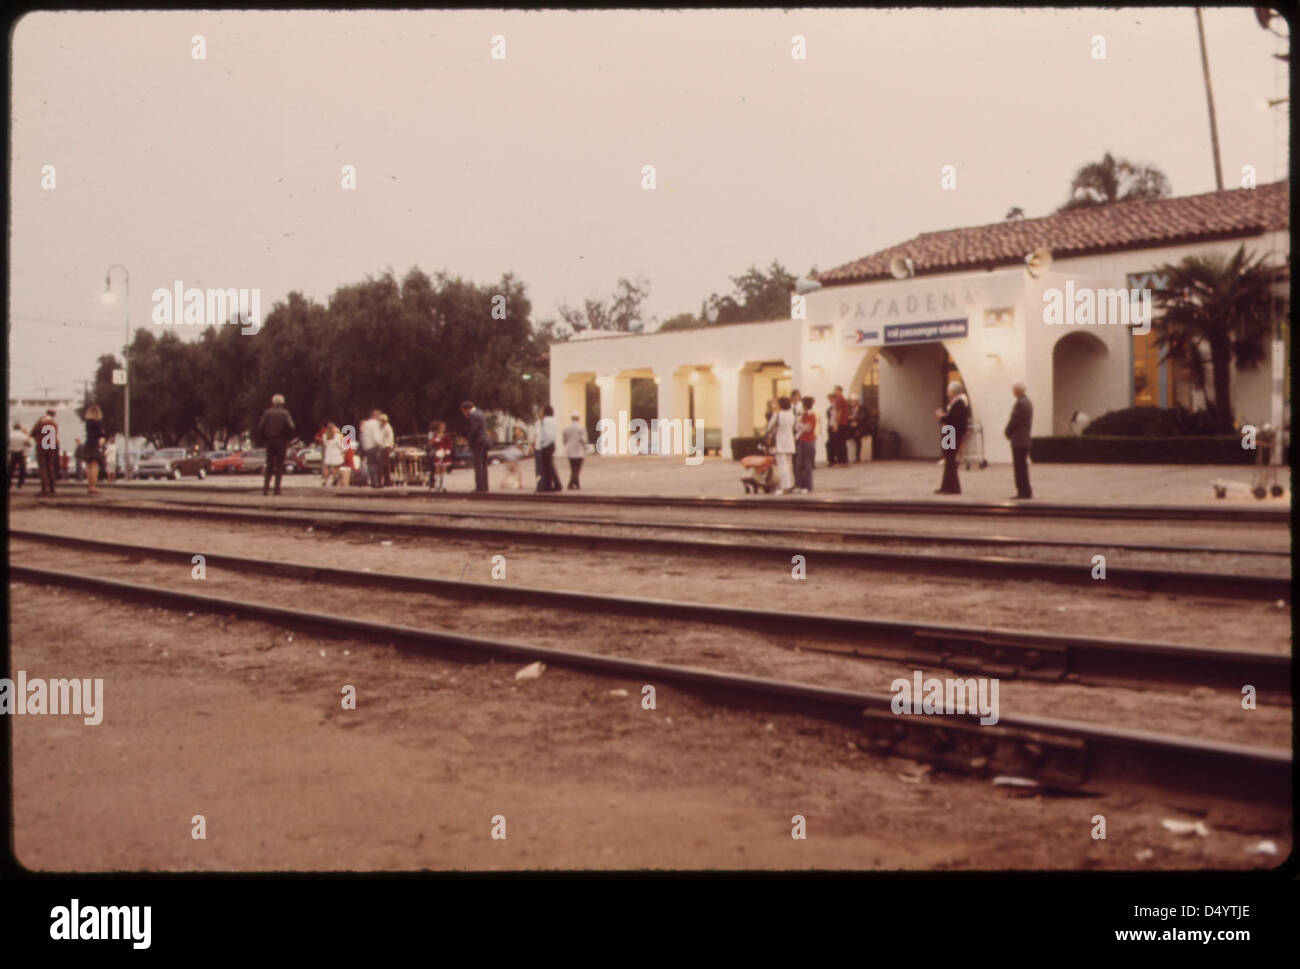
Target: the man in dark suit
(956, 417)
(478, 443)
(1017, 432)
(276, 429)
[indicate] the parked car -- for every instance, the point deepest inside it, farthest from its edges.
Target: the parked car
(225, 462)
(172, 463)
(303, 460)
(253, 460)
(463, 457)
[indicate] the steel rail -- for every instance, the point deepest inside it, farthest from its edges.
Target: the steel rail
(1003, 652)
(1053, 751)
(1181, 582)
(829, 533)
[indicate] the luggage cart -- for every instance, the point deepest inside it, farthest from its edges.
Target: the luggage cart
(972, 447)
(1263, 479)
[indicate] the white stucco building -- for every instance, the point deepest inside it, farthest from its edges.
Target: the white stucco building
(971, 309)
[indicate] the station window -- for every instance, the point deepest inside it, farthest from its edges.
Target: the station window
(1156, 383)
(1146, 368)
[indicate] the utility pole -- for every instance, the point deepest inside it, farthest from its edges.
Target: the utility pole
(1209, 100)
(126, 361)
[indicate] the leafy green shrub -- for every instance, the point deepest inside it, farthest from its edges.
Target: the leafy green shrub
(1094, 449)
(1155, 422)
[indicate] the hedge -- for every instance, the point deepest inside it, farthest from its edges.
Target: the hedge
(1155, 422)
(1094, 449)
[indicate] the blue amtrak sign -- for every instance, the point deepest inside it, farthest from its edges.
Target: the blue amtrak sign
(900, 333)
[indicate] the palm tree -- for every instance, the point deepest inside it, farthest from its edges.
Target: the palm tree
(1216, 305)
(1115, 180)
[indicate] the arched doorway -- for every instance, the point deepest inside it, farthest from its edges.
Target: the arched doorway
(1079, 378)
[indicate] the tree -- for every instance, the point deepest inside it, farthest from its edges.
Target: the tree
(756, 296)
(621, 312)
(1111, 180)
(415, 349)
(1220, 305)
(106, 394)
(682, 321)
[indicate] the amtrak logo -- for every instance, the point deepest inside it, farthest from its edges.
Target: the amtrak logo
(859, 337)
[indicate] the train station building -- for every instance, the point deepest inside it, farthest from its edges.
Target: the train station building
(894, 327)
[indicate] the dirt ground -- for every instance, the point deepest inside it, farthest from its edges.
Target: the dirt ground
(1201, 712)
(242, 724)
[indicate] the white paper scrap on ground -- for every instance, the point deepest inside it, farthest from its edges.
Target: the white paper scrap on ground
(532, 671)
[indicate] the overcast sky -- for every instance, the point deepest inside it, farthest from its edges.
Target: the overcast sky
(225, 172)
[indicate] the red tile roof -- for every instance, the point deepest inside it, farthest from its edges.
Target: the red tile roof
(1105, 228)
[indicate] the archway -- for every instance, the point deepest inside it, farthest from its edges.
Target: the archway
(912, 382)
(1079, 363)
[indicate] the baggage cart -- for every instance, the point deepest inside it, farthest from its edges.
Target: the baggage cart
(972, 447)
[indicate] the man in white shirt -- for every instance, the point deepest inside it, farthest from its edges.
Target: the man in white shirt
(18, 442)
(575, 448)
(386, 443)
(549, 480)
(370, 447)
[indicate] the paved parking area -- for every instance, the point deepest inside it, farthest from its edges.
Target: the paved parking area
(1087, 484)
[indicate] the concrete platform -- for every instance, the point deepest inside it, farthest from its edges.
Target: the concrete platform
(1080, 484)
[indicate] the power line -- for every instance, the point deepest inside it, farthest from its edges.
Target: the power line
(47, 321)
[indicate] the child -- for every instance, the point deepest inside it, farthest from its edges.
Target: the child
(440, 446)
(512, 456)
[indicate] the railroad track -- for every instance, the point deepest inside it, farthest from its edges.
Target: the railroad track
(1052, 751)
(1151, 580)
(1008, 510)
(831, 534)
(1099, 661)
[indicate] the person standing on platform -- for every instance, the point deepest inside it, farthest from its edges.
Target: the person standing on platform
(370, 448)
(841, 405)
(478, 443)
(276, 428)
(440, 448)
(331, 448)
(782, 427)
(856, 424)
(547, 438)
(1017, 432)
(575, 449)
(511, 457)
(45, 432)
(805, 447)
(349, 460)
(110, 460)
(18, 441)
(387, 441)
(952, 431)
(92, 451)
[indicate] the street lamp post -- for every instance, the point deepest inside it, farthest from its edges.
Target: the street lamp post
(126, 361)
